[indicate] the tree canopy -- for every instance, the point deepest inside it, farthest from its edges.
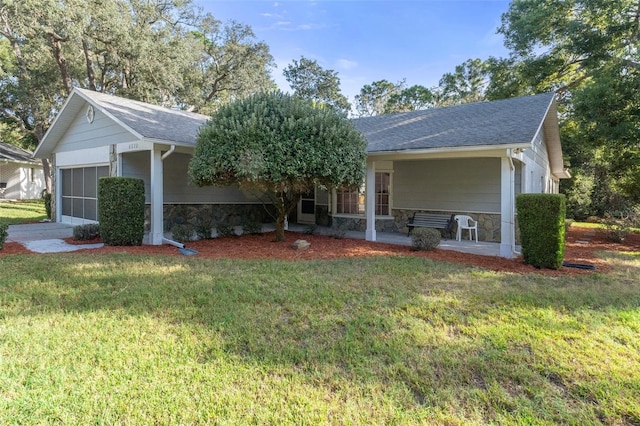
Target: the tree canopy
(158, 51)
(587, 51)
(310, 81)
(373, 98)
(281, 146)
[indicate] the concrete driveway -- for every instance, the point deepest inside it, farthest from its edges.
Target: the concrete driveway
(46, 237)
(39, 231)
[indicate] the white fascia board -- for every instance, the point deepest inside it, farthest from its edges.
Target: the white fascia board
(142, 145)
(149, 144)
(54, 126)
(21, 162)
(450, 152)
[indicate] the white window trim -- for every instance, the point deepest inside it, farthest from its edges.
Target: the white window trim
(334, 202)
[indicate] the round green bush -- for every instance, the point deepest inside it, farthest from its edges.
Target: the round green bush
(425, 238)
(182, 233)
(4, 233)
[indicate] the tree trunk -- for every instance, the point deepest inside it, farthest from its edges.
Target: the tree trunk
(280, 228)
(91, 76)
(284, 204)
(56, 47)
(46, 170)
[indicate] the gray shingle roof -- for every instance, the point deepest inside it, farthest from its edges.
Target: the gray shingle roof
(150, 121)
(503, 122)
(13, 153)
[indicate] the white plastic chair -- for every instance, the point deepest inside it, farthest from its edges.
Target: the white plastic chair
(466, 222)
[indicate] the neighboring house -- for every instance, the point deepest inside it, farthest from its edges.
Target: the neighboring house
(21, 176)
(470, 159)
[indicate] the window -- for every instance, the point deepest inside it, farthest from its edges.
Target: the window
(350, 201)
(32, 175)
(353, 201)
(383, 188)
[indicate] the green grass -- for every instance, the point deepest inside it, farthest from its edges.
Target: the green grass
(16, 212)
(123, 339)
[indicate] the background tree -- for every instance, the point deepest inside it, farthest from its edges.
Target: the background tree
(412, 98)
(586, 50)
(310, 81)
(281, 146)
(373, 98)
(158, 51)
(466, 84)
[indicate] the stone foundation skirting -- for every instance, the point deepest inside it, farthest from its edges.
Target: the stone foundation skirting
(213, 214)
(360, 224)
(488, 224)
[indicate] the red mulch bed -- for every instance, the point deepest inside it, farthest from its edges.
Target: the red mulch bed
(581, 246)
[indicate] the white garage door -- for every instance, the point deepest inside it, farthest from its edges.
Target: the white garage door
(80, 193)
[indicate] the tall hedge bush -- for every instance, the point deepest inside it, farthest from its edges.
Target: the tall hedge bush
(541, 219)
(4, 233)
(121, 211)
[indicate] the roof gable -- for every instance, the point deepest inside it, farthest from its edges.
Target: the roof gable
(13, 153)
(504, 122)
(143, 120)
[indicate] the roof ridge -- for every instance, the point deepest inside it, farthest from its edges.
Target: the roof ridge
(93, 94)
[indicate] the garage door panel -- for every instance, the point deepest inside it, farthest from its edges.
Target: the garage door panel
(80, 191)
(90, 182)
(66, 206)
(77, 182)
(66, 183)
(90, 209)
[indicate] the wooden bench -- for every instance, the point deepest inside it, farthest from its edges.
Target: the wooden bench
(431, 220)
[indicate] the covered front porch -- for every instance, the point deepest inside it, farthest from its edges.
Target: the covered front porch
(482, 248)
(481, 184)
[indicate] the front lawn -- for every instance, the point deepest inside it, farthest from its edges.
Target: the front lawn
(17, 212)
(131, 339)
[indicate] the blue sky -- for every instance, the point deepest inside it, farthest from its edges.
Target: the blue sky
(365, 41)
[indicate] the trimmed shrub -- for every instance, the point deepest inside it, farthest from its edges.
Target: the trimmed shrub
(425, 238)
(252, 228)
(121, 210)
(46, 196)
(226, 230)
(4, 233)
(182, 233)
(310, 229)
(203, 230)
(338, 232)
(541, 218)
(86, 232)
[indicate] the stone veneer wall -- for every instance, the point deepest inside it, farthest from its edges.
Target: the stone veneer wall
(488, 224)
(237, 214)
(360, 224)
(232, 214)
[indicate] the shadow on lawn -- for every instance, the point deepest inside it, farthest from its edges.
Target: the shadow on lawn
(438, 330)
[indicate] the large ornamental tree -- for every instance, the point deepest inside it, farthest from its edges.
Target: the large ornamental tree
(281, 146)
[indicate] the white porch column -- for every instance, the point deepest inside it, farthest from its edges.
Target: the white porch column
(507, 208)
(370, 200)
(57, 192)
(157, 201)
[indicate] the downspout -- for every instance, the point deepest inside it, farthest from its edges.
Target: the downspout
(166, 240)
(168, 153)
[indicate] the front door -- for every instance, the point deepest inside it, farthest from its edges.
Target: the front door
(307, 208)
